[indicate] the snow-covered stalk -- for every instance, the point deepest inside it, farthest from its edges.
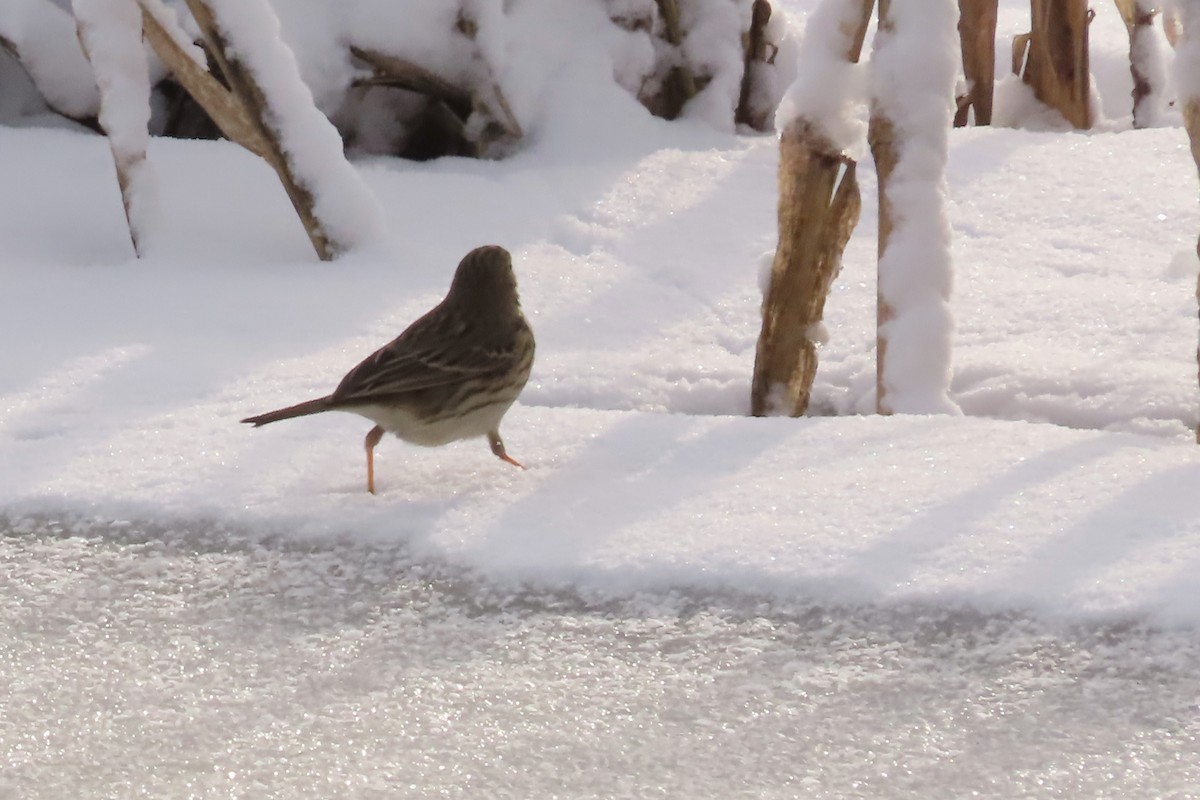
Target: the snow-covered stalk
(1055, 58)
(679, 83)
(1146, 61)
(493, 126)
(186, 61)
(913, 73)
(818, 204)
(110, 32)
(756, 44)
(1187, 80)
(977, 31)
(334, 204)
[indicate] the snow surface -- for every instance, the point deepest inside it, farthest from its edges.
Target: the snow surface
(1074, 358)
(675, 599)
(166, 664)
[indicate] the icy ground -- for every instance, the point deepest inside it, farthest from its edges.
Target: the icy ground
(675, 599)
(155, 664)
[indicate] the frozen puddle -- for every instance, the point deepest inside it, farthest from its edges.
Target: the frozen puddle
(175, 668)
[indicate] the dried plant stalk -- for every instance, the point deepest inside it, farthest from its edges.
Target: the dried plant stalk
(251, 97)
(679, 85)
(819, 205)
(977, 29)
(218, 102)
(881, 135)
(1054, 57)
(755, 52)
(110, 36)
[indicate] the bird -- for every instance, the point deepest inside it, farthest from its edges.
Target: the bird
(450, 375)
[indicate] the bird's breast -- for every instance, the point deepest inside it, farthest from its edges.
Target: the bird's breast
(427, 432)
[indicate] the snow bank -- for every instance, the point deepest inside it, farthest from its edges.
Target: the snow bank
(127, 408)
(44, 35)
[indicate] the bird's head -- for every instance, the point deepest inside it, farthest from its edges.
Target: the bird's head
(485, 279)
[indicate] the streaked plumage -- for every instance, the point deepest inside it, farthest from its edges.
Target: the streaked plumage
(450, 375)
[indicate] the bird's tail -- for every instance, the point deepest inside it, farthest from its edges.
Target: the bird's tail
(298, 410)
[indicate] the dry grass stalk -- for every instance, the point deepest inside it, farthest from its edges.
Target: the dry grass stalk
(977, 29)
(819, 205)
(225, 110)
(1053, 58)
(858, 35)
(250, 96)
(881, 135)
(679, 85)
(392, 71)
(756, 47)
(500, 130)
(449, 106)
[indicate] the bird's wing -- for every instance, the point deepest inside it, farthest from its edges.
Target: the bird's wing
(420, 358)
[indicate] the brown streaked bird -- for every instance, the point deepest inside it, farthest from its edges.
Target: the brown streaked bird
(450, 375)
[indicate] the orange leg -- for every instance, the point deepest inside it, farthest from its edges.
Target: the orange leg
(498, 449)
(372, 439)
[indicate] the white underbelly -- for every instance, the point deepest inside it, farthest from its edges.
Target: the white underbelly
(402, 423)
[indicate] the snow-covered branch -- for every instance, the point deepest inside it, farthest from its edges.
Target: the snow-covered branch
(1147, 61)
(819, 205)
(187, 62)
(977, 29)
(336, 207)
(913, 72)
(111, 34)
(1055, 58)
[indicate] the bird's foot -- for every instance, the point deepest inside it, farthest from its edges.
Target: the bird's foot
(511, 460)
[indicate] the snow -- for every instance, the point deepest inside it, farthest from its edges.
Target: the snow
(831, 92)
(168, 20)
(348, 213)
(1187, 70)
(44, 36)
(674, 598)
(646, 325)
(215, 667)
(643, 472)
(712, 45)
(1148, 49)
